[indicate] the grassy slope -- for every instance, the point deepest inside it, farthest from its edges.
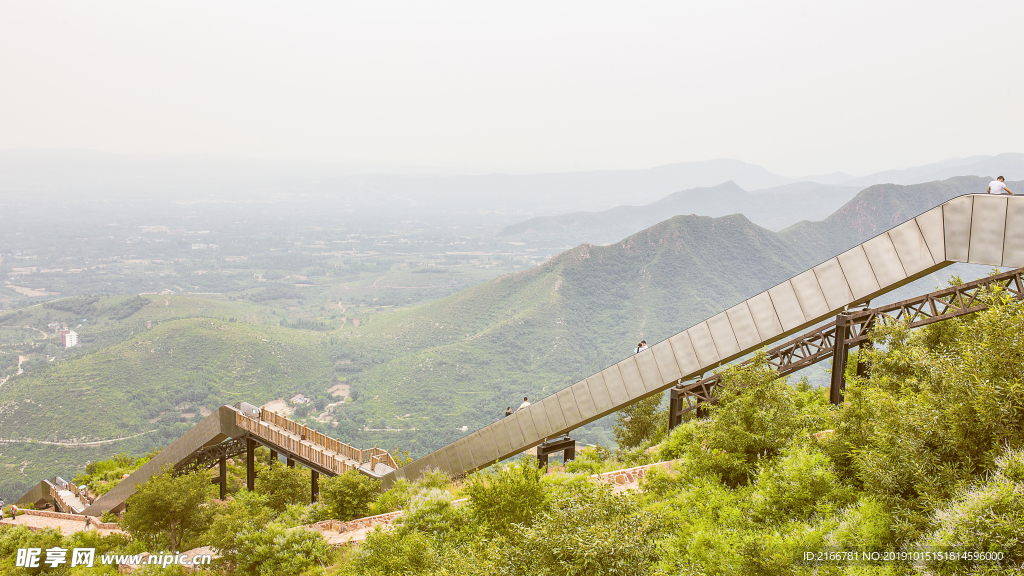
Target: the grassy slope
(149, 384)
(191, 362)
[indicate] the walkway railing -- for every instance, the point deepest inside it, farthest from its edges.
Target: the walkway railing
(311, 444)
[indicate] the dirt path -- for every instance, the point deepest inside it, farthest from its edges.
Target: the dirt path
(96, 443)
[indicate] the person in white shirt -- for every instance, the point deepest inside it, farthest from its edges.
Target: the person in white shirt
(997, 187)
(641, 346)
(526, 402)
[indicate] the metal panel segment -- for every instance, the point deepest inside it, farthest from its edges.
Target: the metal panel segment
(723, 335)
(631, 378)
(599, 392)
(988, 219)
(649, 373)
(569, 408)
(911, 247)
(763, 312)
(787, 307)
(931, 227)
(501, 440)
(584, 399)
(808, 293)
(530, 433)
(666, 360)
(465, 453)
(454, 462)
(484, 449)
(742, 326)
(956, 223)
(686, 357)
(429, 463)
(703, 344)
(884, 260)
(858, 273)
(834, 286)
(616, 387)
(540, 418)
(441, 461)
(1013, 243)
(553, 410)
(514, 433)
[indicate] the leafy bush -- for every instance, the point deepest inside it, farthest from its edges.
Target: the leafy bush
(589, 460)
(595, 532)
(985, 518)
(349, 495)
(283, 485)
(246, 512)
(512, 495)
(798, 484)
(275, 550)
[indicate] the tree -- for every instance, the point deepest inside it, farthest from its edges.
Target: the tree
(246, 512)
(167, 508)
(640, 422)
(283, 485)
(348, 495)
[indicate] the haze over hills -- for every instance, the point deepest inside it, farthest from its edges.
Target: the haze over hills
(86, 175)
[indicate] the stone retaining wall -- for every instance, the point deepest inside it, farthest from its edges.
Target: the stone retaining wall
(631, 475)
(76, 517)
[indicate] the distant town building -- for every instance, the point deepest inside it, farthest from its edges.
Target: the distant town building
(68, 338)
(55, 326)
(300, 399)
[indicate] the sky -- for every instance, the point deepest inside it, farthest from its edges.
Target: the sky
(800, 87)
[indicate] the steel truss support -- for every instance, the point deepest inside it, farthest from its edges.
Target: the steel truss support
(852, 329)
(209, 456)
(250, 464)
(564, 444)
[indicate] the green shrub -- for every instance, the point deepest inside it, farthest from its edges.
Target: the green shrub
(512, 495)
(283, 485)
(986, 518)
(349, 495)
(798, 484)
(245, 512)
(593, 533)
(275, 551)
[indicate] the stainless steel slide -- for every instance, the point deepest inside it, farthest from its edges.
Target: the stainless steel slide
(978, 228)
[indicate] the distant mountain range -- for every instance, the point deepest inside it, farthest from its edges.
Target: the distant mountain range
(799, 205)
(774, 208)
(41, 174)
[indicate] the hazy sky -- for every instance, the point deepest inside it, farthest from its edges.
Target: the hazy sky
(797, 86)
